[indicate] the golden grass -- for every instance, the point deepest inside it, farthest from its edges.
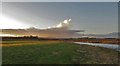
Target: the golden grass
(21, 43)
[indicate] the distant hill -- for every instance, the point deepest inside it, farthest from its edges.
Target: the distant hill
(110, 35)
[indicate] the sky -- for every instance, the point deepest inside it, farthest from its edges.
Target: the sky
(93, 17)
(60, 0)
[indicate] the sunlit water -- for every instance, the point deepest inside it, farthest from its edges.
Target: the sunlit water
(111, 46)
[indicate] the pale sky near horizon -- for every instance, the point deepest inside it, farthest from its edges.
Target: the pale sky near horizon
(93, 17)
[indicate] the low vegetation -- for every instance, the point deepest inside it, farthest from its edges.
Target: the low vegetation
(56, 52)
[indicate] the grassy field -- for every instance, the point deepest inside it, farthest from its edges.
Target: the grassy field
(56, 52)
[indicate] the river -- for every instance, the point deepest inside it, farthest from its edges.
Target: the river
(111, 46)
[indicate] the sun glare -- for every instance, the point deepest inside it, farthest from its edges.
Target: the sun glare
(6, 35)
(10, 23)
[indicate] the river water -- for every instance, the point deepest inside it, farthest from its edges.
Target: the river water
(111, 46)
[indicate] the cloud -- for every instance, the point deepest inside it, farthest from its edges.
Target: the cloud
(62, 30)
(65, 25)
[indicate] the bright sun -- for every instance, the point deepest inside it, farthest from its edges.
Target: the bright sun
(10, 23)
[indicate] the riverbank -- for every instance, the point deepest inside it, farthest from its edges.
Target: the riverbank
(98, 40)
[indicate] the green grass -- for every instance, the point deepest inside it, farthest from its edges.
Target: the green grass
(58, 53)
